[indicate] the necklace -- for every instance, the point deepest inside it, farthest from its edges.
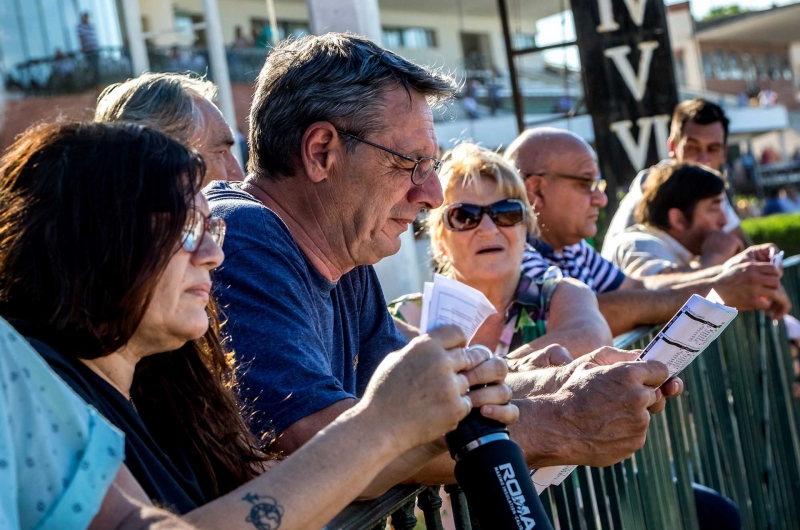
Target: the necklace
(133, 404)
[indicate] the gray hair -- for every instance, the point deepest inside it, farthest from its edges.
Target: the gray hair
(162, 101)
(337, 77)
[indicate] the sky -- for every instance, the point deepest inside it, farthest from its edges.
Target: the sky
(549, 30)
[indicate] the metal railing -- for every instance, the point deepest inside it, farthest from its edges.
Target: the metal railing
(73, 73)
(70, 73)
(735, 429)
(244, 64)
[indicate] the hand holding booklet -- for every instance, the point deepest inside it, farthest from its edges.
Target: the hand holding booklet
(696, 325)
(446, 301)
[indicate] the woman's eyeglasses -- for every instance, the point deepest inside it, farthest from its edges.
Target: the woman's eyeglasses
(197, 224)
(462, 216)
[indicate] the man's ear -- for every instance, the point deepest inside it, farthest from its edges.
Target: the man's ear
(677, 221)
(534, 188)
(320, 149)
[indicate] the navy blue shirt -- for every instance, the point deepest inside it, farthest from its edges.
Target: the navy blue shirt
(301, 342)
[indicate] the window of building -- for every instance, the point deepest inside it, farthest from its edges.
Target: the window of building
(719, 65)
(291, 28)
(523, 40)
(762, 67)
(748, 68)
(734, 66)
(708, 71)
(409, 38)
(262, 33)
(775, 66)
(787, 68)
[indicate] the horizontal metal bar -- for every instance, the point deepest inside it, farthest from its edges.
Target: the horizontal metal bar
(536, 49)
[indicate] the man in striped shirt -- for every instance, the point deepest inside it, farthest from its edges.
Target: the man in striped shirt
(89, 47)
(562, 180)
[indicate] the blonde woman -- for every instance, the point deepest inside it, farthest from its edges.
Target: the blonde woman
(477, 237)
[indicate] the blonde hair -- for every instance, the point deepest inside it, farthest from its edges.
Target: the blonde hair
(163, 101)
(469, 165)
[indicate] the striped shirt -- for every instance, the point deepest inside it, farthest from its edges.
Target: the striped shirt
(88, 38)
(579, 261)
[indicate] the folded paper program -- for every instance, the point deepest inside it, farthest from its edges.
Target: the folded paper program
(446, 301)
(686, 335)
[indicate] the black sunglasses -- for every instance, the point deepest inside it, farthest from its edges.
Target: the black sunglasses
(462, 216)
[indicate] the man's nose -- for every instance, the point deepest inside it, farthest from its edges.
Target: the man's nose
(429, 195)
(599, 198)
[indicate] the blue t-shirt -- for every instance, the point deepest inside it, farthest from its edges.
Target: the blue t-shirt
(301, 342)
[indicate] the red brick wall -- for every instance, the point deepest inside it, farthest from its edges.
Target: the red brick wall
(22, 113)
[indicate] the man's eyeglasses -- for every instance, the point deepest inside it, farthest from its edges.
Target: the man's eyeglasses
(589, 185)
(197, 224)
(424, 166)
(462, 216)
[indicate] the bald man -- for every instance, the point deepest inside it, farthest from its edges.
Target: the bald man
(562, 181)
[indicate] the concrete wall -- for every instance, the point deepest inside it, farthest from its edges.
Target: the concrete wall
(448, 27)
(681, 35)
(158, 17)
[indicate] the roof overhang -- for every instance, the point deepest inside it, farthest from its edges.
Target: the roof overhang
(778, 25)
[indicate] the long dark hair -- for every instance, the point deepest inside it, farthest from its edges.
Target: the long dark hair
(90, 215)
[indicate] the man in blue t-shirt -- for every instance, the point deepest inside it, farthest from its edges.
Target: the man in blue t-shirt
(564, 187)
(306, 314)
(342, 159)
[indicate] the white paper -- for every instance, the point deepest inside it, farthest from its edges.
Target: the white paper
(447, 301)
(776, 259)
(691, 330)
(550, 476)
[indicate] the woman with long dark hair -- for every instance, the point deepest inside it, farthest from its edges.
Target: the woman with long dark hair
(106, 250)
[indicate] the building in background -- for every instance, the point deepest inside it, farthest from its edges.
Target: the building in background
(753, 57)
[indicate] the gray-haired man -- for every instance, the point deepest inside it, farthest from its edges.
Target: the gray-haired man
(341, 162)
(181, 106)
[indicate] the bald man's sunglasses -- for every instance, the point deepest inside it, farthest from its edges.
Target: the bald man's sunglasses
(589, 185)
(462, 216)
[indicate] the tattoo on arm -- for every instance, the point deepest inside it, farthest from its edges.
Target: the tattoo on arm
(265, 513)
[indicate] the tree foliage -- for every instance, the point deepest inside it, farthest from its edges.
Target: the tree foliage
(725, 11)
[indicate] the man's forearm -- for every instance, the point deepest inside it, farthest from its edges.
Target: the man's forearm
(661, 281)
(581, 336)
(626, 310)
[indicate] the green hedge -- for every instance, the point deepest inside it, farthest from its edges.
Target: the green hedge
(783, 230)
